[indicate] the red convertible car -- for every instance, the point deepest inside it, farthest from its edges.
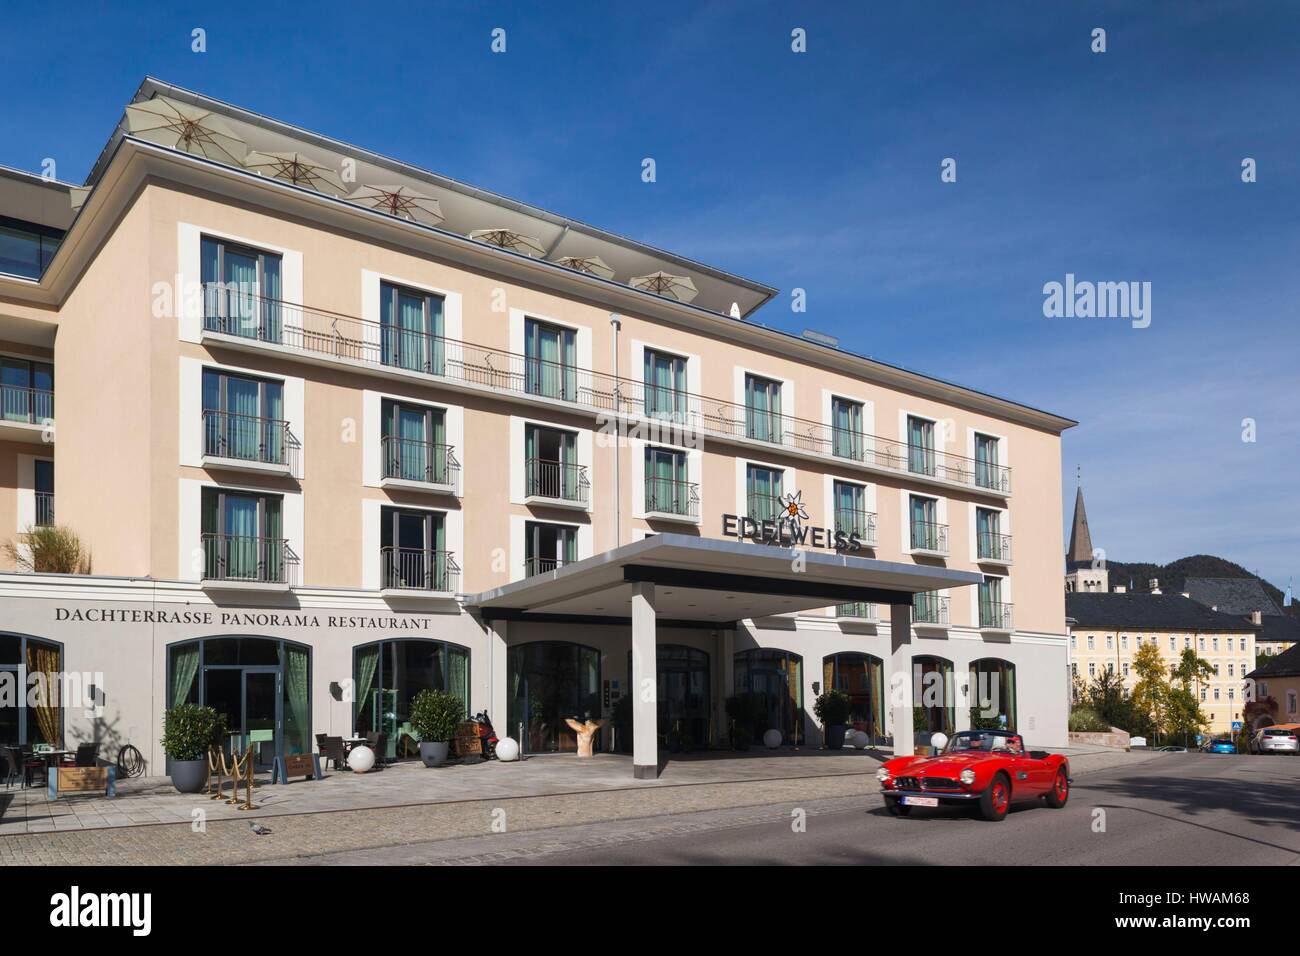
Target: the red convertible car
(989, 769)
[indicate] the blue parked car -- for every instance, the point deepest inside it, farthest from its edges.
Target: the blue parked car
(1220, 745)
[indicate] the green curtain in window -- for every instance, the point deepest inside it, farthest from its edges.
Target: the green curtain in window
(43, 396)
(548, 360)
(273, 546)
(243, 409)
(570, 366)
(240, 528)
(272, 320)
(848, 508)
(920, 446)
(847, 424)
(185, 665)
(532, 468)
(458, 674)
(923, 531)
(439, 449)
(209, 275)
(569, 466)
(569, 541)
(983, 540)
(441, 567)
(411, 331)
(412, 453)
(297, 697)
(273, 428)
(437, 347)
(241, 293)
(367, 664)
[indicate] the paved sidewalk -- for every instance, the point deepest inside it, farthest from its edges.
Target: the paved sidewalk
(579, 794)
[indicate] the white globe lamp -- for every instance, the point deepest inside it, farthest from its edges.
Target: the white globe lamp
(772, 739)
(938, 742)
(507, 749)
(860, 739)
(361, 759)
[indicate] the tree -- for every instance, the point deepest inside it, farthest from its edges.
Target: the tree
(1191, 669)
(1106, 696)
(1184, 718)
(1151, 692)
(51, 549)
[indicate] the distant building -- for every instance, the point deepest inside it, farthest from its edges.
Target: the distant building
(1109, 629)
(1246, 597)
(1279, 678)
(1084, 569)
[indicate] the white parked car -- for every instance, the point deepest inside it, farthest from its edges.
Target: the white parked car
(1276, 740)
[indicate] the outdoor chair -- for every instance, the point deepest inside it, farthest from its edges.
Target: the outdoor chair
(379, 744)
(87, 755)
(22, 766)
(332, 749)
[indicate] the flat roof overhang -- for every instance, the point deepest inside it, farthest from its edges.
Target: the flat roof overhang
(702, 581)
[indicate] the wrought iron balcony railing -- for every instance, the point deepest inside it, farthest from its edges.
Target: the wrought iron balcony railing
(992, 546)
(250, 559)
(411, 459)
(995, 615)
(348, 338)
(929, 608)
(265, 441)
(765, 507)
(557, 480)
(419, 569)
(22, 404)
(858, 610)
(672, 497)
(928, 536)
(44, 509)
(862, 523)
(540, 565)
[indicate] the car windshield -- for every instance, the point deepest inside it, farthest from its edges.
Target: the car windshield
(974, 740)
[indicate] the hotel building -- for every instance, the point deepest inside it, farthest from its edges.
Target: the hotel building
(334, 429)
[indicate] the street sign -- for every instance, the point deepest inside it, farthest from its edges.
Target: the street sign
(1236, 726)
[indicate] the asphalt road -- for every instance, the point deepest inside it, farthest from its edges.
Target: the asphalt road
(1189, 809)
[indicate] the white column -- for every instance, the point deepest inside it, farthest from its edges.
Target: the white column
(497, 683)
(900, 685)
(645, 712)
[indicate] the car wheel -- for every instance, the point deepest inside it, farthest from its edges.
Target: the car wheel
(1060, 791)
(896, 807)
(996, 799)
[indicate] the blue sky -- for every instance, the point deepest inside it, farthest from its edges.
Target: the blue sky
(821, 171)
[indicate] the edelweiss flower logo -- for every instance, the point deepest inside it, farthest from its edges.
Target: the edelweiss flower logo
(792, 508)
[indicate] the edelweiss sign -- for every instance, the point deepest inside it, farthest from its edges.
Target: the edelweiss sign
(788, 530)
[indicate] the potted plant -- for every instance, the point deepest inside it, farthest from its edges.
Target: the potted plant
(833, 708)
(921, 731)
(434, 716)
(189, 731)
(748, 713)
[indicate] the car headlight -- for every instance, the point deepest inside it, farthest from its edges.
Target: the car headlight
(882, 774)
(967, 776)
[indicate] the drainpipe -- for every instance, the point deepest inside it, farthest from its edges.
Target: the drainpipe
(616, 323)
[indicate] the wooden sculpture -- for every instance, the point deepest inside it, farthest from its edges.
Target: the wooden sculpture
(586, 733)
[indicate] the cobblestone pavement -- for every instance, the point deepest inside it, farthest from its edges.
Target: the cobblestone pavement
(395, 834)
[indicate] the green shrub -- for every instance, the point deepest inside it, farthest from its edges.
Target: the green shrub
(435, 714)
(189, 730)
(1086, 720)
(833, 708)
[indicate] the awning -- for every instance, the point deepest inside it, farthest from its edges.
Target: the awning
(711, 580)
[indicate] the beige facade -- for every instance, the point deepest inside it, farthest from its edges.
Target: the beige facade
(122, 314)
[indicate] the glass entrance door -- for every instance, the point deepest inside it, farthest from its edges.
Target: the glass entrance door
(249, 699)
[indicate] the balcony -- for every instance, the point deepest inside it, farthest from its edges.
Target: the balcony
(928, 538)
(534, 566)
(26, 414)
(667, 499)
(248, 563)
(858, 611)
(418, 572)
(330, 338)
(993, 548)
(861, 523)
(44, 509)
(556, 484)
(930, 610)
(420, 466)
(249, 443)
(995, 616)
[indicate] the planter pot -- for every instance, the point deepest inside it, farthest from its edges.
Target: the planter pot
(189, 776)
(434, 753)
(923, 751)
(835, 736)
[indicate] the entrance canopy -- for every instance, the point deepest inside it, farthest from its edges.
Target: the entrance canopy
(710, 581)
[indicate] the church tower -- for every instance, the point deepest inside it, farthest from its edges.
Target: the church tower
(1080, 572)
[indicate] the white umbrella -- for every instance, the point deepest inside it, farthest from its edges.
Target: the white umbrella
(399, 201)
(593, 265)
(181, 126)
(509, 239)
(680, 288)
(297, 169)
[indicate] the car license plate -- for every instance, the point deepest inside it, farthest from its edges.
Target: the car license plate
(921, 801)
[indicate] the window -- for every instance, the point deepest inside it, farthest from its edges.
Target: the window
(988, 473)
(241, 290)
(1216, 693)
(26, 248)
(411, 329)
(44, 480)
(1229, 643)
(920, 445)
(851, 516)
(1074, 670)
(1202, 694)
(243, 418)
(862, 677)
(1091, 641)
(1216, 643)
(763, 492)
(549, 681)
(1074, 642)
(665, 386)
(1231, 670)
(1173, 643)
(666, 489)
(386, 677)
(1110, 667)
(846, 429)
(243, 537)
(413, 551)
(550, 360)
(929, 607)
(1110, 641)
(1202, 643)
(1187, 642)
(775, 677)
(991, 543)
(763, 409)
(548, 546)
(26, 390)
(27, 718)
(415, 443)
(1290, 702)
(1092, 669)
(926, 532)
(992, 612)
(1123, 641)
(551, 463)
(1126, 668)
(1232, 693)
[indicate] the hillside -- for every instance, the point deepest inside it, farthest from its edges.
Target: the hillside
(1171, 576)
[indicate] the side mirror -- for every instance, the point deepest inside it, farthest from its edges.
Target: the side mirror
(939, 741)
